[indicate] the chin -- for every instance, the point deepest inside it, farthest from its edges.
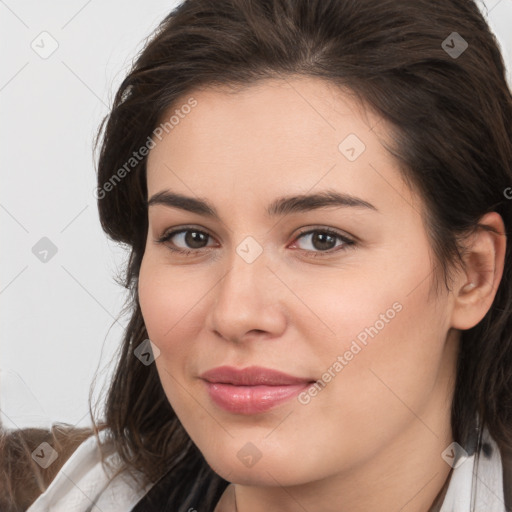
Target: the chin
(267, 473)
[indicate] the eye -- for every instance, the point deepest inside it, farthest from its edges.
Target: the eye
(187, 240)
(323, 241)
(320, 241)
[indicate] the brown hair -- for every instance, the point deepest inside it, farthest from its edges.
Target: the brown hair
(452, 131)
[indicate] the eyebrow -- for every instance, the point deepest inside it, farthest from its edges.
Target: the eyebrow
(281, 206)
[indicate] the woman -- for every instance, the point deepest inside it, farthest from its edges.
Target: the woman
(316, 199)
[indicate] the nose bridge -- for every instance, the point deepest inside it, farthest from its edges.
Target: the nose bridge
(245, 299)
(247, 270)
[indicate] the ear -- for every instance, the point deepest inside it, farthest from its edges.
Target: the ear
(476, 287)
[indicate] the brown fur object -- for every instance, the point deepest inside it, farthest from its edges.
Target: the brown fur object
(22, 480)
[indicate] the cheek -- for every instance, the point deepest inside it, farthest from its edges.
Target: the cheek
(353, 306)
(387, 368)
(386, 339)
(168, 304)
(383, 303)
(170, 299)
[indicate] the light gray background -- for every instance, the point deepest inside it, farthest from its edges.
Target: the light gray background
(59, 320)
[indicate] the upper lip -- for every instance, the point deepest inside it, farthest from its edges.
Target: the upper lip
(251, 376)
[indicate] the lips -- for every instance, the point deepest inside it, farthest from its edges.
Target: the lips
(251, 376)
(251, 390)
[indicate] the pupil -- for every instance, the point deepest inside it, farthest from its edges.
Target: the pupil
(321, 238)
(193, 237)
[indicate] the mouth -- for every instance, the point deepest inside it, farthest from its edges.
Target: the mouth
(251, 390)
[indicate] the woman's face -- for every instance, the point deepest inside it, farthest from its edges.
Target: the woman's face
(265, 285)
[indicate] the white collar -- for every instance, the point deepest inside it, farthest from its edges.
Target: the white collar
(476, 483)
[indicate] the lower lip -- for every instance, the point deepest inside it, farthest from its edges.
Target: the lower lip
(252, 399)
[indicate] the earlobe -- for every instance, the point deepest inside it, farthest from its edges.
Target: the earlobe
(483, 270)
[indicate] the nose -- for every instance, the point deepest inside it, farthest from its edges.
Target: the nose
(248, 301)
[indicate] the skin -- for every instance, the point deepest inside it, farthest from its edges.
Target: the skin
(372, 438)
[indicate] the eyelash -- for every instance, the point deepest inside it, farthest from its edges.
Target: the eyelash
(347, 242)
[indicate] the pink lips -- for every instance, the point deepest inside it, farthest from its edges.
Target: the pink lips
(251, 390)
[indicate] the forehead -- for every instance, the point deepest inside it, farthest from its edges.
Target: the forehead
(289, 114)
(286, 135)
